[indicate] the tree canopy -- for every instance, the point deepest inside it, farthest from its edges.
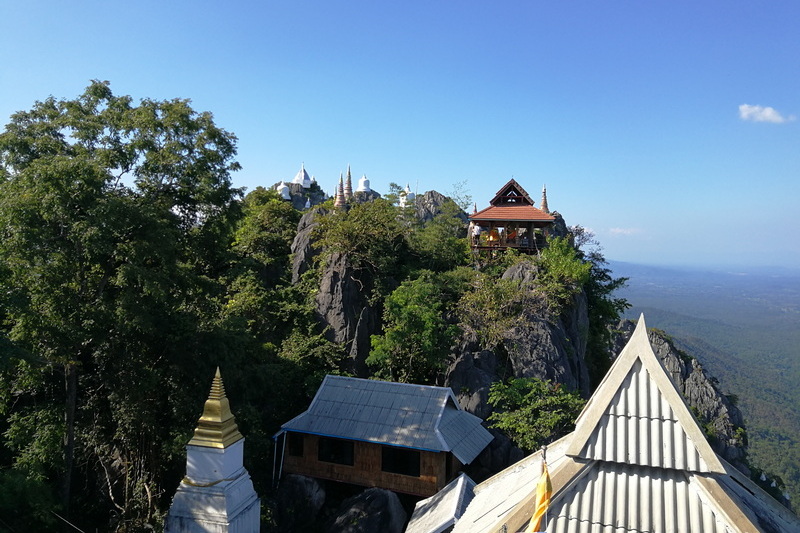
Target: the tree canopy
(112, 219)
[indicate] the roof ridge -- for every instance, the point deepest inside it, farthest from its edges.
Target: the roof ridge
(590, 420)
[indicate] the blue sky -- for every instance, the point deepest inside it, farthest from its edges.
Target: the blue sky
(668, 128)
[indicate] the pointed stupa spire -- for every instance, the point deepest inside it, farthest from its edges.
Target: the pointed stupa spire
(339, 200)
(217, 427)
(216, 494)
(348, 186)
(475, 208)
(544, 200)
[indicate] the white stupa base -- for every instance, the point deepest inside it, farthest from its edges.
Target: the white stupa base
(227, 507)
(216, 496)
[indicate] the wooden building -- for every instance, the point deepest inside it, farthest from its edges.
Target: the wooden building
(511, 221)
(398, 436)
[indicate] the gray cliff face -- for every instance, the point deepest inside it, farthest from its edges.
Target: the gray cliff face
(372, 510)
(552, 349)
(536, 347)
(303, 252)
(343, 309)
(428, 205)
(718, 417)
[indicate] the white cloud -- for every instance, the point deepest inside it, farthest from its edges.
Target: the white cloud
(625, 231)
(757, 113)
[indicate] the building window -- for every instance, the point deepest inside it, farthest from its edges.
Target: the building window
(400, 461)
(335, 451)
(295, 444)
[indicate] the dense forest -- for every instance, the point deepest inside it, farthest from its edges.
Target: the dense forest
(742, 325)
(131, 268)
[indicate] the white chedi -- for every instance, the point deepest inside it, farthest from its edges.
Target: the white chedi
(363, 184)
(407, 197)
(283, 190)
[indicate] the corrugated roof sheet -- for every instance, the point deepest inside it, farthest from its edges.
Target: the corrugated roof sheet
(623, 498)
(399, 414)
(637, 416)
(520, 213)
(439, 512)
(640, 427)
(637, 461)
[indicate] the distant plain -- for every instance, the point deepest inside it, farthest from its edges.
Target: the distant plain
(743, 325)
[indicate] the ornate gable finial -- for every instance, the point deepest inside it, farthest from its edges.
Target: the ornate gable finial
(217, 426)
(543, 206)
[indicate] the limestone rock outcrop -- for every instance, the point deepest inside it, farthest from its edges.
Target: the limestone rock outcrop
(299, 501)
(343, 309)
(303, 251)
(372, 510)
(428, 205)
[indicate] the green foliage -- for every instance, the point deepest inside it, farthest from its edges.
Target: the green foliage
(372, 238)
(494, 305)
(605, 309)
(115, 220)
(562, 273)
(25, 504)
(416, 338)
(441, 244)
(533, 412)
(266, 232)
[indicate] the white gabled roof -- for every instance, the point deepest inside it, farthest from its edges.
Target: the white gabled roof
(637, 461)
(442, 510)
(637, 416)
(398, 414)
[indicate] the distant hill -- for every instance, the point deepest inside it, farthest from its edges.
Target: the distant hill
(744, 326)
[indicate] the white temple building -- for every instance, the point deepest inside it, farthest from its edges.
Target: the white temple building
(216, 495)
(302, 178)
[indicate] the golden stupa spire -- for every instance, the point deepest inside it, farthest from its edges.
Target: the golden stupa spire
(217, 427)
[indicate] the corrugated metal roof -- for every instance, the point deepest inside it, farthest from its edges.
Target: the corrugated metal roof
(639, 427)
(623, 498)
(399, 414)
(637, 416)
(637, 461)
(439, 512)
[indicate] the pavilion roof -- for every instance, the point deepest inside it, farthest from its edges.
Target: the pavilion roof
(512, 204)
(512, 213)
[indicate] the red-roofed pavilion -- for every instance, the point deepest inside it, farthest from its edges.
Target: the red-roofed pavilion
(511, 221)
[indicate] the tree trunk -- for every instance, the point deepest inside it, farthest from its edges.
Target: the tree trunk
(71, 386)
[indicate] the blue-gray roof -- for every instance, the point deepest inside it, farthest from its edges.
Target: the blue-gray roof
(398, 414)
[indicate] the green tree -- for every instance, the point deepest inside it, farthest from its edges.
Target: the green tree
(372, 238)
(441, 243)
(417, 337)
(604, 308)
(533, 412)
(562, 273)
(110, 215)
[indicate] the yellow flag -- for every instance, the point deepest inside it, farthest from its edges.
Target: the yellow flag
(544, 489)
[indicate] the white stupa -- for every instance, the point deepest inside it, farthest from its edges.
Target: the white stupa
(407, 197)
(363, 184)
(216, 495)
(283, 190)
